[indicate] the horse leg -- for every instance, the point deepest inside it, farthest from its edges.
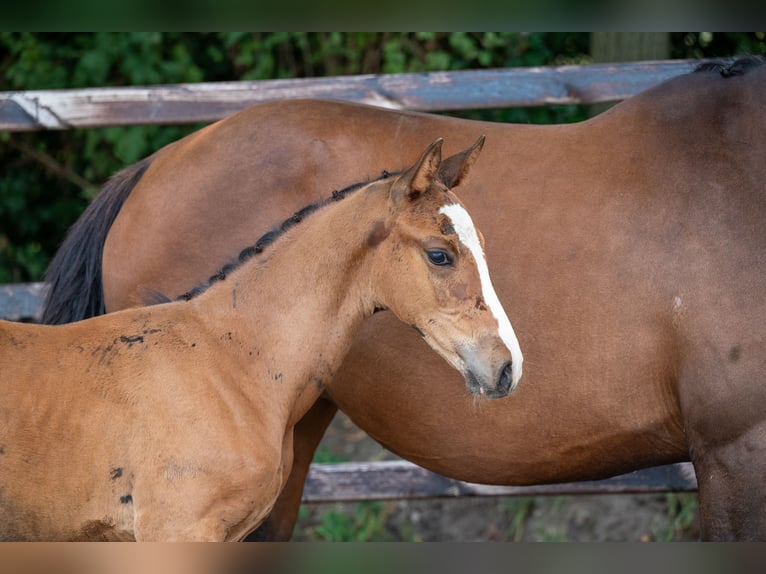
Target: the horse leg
(723, 401)
(307, 435)
(209, 529)
(208, 511)
(209, 497)
(732, 488)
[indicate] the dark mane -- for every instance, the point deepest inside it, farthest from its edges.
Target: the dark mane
(729, 68)
(270, 237)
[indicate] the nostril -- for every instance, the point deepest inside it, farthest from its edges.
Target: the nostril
(506, 376)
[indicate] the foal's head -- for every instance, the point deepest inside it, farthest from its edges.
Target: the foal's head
(433, 274)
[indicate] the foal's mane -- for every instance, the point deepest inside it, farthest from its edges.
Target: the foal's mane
(729, 68)
(270, 237)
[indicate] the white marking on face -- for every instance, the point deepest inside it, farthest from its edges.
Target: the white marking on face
(466, 232)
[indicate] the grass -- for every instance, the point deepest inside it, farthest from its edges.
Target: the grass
(360, 522)
(519, 510)
(514, 519)
(681, 509)
(324, 455)
(363, 525)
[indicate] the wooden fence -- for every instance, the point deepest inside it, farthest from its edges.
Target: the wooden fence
(434, 91)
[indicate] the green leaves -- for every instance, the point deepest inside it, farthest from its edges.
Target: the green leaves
(48, 177)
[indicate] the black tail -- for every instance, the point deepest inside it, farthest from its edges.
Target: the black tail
(74, 275)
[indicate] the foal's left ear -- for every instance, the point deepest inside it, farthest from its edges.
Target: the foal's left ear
(454, 169)
(417, 179)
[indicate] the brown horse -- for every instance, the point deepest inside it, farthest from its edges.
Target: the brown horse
(632, 250)
(174, 422)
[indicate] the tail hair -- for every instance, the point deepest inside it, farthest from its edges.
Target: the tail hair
(74, 275)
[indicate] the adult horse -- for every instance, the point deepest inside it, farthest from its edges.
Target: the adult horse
(632, 253)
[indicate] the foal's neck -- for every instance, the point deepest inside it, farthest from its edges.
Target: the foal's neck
(292, 311)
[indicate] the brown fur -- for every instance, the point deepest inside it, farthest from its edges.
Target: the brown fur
(175, 422)
(632, 252)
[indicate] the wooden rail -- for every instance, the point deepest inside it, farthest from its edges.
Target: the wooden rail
(346, 482)
(435, 91)
(22, 301)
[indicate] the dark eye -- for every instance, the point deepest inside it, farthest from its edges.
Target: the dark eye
(439, 257)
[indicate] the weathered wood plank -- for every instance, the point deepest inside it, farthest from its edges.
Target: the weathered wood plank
(435, 91)
(22, 301)
(350, 482)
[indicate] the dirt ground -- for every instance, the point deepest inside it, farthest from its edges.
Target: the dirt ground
(617, 518)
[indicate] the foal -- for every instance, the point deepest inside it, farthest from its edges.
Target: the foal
(175, 422)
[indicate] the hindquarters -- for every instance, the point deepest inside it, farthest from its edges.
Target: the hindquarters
(721, 316)
(722, 391)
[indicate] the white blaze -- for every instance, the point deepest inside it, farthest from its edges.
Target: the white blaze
(468, 236)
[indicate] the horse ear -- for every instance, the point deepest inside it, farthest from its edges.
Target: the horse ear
(454, 169)
(418, 178)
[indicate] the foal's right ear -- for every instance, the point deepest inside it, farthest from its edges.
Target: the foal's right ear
(418, 178)
(454, 169)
